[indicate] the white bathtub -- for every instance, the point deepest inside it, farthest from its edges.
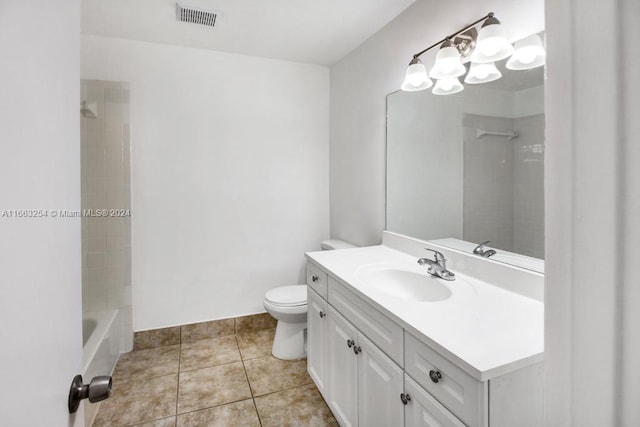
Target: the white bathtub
(103, 338)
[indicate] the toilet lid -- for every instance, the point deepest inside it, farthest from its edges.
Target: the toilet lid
(295, 295)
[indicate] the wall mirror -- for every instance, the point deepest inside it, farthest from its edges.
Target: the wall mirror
(466, 168)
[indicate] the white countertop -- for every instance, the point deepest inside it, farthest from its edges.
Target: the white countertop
(484, 329)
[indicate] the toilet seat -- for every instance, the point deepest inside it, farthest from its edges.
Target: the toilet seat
(287, 296)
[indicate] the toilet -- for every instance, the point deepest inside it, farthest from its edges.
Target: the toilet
(288, 305)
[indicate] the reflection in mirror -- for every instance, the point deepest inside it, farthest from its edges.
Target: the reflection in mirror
(470, 166)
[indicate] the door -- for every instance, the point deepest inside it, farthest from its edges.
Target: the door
(379, 387)
(343, 369)
(423, 410)
(317, 340)
(40, 270)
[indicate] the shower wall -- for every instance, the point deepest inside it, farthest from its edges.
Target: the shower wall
(503, 183)
(528, 182)
(106, 202)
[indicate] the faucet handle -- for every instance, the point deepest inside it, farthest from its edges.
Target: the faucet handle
(480, 248)
(437, 256)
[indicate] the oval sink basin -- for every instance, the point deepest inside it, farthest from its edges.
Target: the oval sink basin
(404, 282)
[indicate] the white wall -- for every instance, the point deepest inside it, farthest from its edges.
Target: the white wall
(40, 269)
(359, 84)
(230, 180)
(592, 321)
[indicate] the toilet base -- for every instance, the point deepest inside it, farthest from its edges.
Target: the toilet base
(289, 342)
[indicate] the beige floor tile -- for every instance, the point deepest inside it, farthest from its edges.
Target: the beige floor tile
(256, 344)
(156, 338)
(210, 352)
(165, 422)
(139, 401)
(207, 387)
(254, 322)
(143, 364)
(300, 406)
(268, 374)
(241, 413)
(204, 330)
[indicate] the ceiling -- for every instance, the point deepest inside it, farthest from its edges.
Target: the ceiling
(317, 32)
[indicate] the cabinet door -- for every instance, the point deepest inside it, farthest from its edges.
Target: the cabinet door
(317, 340)
(423, 410)
(343, 369)
(379, 387)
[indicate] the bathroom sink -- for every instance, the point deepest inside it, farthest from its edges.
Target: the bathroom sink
(404, 282)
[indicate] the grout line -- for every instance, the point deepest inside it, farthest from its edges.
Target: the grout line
(157, 419)
(249, 382)
(179, 371)
(210, 366)
(212, 407)
(290, 388)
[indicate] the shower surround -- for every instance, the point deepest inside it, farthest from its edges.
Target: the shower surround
(106, 227)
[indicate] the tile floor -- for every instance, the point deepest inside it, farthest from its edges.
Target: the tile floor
(227, 380)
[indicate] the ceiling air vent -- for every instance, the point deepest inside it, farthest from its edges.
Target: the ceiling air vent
(196, 16)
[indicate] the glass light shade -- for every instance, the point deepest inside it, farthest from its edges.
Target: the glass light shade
(492, 44)
(448, 63)
(482, 73)
(416, 77)
(528, 54)
(447, 86)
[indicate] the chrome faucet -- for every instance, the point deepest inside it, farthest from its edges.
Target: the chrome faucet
(437, 266)
(480, 250)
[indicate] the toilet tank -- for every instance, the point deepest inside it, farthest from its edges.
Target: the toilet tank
(329, 245)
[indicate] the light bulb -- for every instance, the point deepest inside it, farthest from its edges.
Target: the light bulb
(526, 55)
(492, 44)
(448, 63)
(490, 47)
(416, 77)
(447, 86)
(482, 73)
(529, 53)
(415, 80)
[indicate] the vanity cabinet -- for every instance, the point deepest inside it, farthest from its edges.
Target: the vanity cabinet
(317, 340)
(373, 372)
(364, 384)
(423, 410)
(343, 369)
(450, 385)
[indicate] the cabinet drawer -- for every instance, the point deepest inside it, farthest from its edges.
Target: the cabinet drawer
(425, 411)
(465, 397)
(317, 280)
(384, 332)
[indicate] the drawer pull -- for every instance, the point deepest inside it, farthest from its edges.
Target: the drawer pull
(357, 349)
(350, 343)
(314, 278)
(405, 398)
(322, 314)
(435, 376)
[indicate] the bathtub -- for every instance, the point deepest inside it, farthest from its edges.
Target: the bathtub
(103, 341)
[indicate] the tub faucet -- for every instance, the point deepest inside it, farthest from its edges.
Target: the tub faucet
(437, 266)
(480, 250)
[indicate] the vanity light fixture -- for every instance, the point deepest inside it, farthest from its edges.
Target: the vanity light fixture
(482, 49)
(448, 63)
(482, 73)
(447, 86)
(528, 54)
(416, 77)
(492, 43)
